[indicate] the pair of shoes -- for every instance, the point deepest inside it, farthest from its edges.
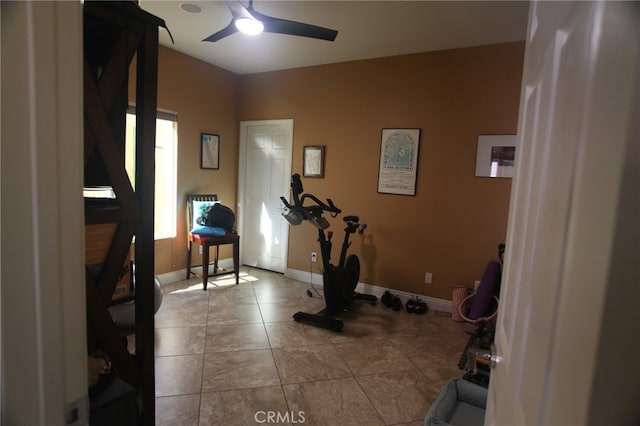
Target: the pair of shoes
(416, 306)
(392, 301)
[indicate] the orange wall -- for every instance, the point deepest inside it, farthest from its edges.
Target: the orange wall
(453, 224)
(205, 98)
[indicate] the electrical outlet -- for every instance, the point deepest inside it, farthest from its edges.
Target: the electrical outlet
(314, 256)
(199, 249)
(428, 277)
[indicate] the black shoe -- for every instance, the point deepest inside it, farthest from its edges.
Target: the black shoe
(396, 303)
(411, 306)
(387, 298)
(420, 307)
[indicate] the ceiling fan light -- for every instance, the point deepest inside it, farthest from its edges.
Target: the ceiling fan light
(249, 26)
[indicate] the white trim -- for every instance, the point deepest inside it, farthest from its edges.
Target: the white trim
(303, 276)
(434, 304)
(180, 275)
(172, 277)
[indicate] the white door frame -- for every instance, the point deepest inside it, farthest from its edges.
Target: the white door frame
(242, 181)
(44, 353)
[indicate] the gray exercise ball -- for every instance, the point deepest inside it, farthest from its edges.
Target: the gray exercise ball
(124, 314)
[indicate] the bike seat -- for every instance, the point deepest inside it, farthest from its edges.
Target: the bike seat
(354, 219)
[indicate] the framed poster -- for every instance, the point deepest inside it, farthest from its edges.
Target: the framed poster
(313, 161)
(399, 161)
(209, 151)
(495, 156)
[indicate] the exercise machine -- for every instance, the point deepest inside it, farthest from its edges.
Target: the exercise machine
(339, 281)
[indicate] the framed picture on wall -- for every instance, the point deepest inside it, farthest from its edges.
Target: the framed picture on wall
(399, 161)
(313, 161)
(495, 156)
(209, 151)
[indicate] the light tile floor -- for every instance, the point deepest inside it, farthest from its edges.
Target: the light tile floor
(233, 355)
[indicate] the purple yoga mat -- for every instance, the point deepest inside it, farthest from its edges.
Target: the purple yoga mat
(486, 289)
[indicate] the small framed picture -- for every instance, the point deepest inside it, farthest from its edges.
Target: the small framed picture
(495, 156)
(209, 151)
(313, 161)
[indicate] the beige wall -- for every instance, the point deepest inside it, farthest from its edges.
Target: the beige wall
(453, 224)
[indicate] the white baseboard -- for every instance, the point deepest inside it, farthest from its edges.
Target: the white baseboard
(434, 304)
(172, 277)
(180, 275)
(304, 276)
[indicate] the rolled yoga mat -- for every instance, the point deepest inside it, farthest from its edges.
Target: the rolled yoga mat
(486, 291)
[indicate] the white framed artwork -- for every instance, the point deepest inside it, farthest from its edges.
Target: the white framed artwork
(495, 156)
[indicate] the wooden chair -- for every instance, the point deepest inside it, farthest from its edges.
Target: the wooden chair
(207, 241)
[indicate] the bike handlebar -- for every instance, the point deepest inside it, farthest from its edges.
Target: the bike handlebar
(298, 211)
(319, 206)
(331, 208)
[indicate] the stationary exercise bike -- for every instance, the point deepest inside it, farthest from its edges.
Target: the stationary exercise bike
(339, 281)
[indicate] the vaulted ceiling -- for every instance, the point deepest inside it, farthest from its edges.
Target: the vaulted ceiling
(366, 29)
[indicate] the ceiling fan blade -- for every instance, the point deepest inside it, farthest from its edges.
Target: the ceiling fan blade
(283, 26)
(226, 31)
(271, 24)
(237, 10)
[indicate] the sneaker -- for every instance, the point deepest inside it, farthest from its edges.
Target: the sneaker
(411, 306)
(421, 307)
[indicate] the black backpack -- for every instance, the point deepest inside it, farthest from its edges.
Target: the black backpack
(218, 216)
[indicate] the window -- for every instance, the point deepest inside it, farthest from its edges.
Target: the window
(166, 169)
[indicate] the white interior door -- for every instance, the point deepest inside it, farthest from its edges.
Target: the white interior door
(580, 76)
(265, 175)
(44, 350)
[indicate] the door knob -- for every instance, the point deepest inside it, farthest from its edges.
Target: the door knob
(491, 356)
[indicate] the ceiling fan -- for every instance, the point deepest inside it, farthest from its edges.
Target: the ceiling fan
(246, 19)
